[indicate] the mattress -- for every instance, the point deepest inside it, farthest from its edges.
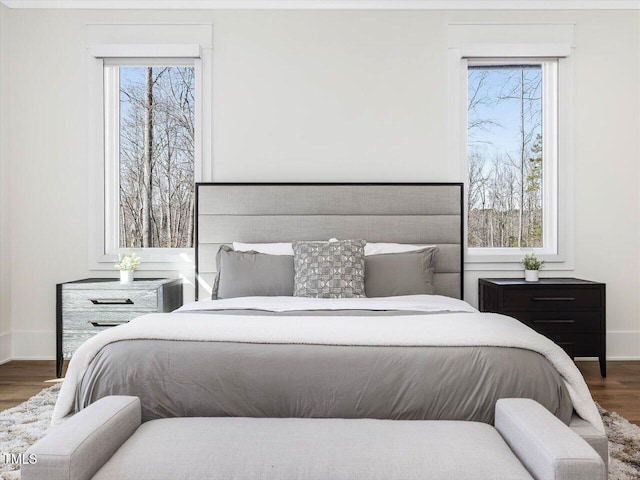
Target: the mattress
(420, 357)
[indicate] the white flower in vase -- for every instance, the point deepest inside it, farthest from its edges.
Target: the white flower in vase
(127, 263)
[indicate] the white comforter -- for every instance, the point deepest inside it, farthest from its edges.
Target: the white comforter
(415, 303)
(439, 326)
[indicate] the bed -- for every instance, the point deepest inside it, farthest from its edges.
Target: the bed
(411, 357)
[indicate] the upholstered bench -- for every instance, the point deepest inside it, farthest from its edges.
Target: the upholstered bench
(108, 441)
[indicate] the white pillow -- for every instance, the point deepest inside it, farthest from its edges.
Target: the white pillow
(287, 249)
(268, 248)
(382, 248)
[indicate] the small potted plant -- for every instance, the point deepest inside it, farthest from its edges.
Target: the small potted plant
(532, 267)
(127, 263)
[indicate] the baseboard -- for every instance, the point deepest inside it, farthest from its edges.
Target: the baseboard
(5, 347)
(609, 359)
(623, 345)
(39, 345)
(29, 359)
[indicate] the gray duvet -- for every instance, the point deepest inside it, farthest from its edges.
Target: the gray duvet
(188, 378)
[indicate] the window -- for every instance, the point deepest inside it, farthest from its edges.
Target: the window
(512, 156)
(150, 154)
(149, 210)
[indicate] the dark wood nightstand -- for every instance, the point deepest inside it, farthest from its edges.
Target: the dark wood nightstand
(569, 311)
(86, 307)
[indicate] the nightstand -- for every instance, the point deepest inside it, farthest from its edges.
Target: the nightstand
(569, 311)
(86, 307)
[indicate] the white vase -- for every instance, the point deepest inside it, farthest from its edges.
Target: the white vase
(126, 276)
(531, 275)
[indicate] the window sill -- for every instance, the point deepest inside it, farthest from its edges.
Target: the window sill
(509, 259)
(161, 259)
(514, 265)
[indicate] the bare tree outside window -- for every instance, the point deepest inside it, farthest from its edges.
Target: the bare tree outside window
(157, 137)
(504, 154)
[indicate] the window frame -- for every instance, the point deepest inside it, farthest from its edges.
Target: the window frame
(477, 41)
(104, 146)
(550, 171)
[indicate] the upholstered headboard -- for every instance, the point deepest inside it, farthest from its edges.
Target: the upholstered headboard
(423, 213)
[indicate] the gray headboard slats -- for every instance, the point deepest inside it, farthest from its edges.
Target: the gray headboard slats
(283, 228)
(333, 199)
(426, 213)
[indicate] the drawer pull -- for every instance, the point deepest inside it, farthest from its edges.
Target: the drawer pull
(568, 320)
(106, 324)
(554, 299)
(111, 301)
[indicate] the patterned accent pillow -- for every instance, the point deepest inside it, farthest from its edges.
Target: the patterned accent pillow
(329, 269)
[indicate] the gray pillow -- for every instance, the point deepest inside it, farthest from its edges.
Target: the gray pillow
(393, 274)
(329, 269)
(252, 274)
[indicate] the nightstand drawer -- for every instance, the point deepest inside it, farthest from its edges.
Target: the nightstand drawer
(112, 300)
(561, 321)
(578, 345)
(87, 321)
(551, 299)
(73, 339)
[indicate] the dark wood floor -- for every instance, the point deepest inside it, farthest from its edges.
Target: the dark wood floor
(619, 392)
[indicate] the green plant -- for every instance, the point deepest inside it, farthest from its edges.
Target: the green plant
(530, 262)
(128, 262)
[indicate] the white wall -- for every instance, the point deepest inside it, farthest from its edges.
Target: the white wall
(313, 96)
(5, 279)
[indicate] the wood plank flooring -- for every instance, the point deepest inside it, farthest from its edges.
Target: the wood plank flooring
(619, 392)
(20, 380)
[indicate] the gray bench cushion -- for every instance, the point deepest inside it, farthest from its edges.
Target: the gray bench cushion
(294, 448)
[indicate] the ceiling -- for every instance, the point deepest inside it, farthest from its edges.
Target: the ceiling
(330, 4)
